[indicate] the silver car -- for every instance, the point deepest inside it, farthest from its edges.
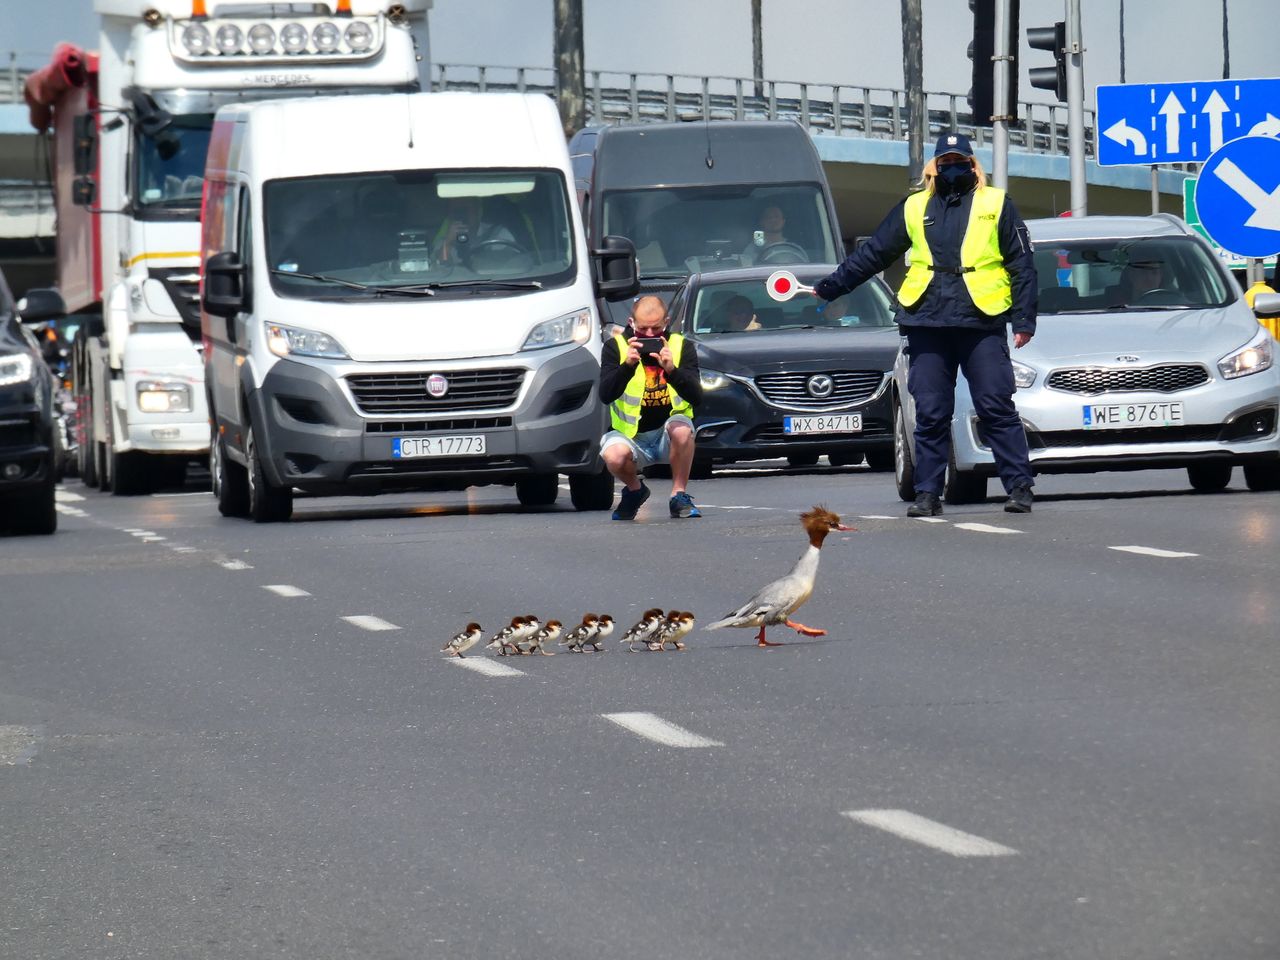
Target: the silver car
(1145, 356)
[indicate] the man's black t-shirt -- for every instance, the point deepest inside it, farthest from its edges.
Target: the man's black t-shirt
(655, 406)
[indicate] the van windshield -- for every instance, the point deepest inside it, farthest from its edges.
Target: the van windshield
(455, 231)
(683, 230)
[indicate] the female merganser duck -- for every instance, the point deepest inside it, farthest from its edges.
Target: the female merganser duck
(506, 637)
(643, 631)
(583, 633)
(676, 627)
(604, 627)
(776, 602)
(541, 637)
(464, 641)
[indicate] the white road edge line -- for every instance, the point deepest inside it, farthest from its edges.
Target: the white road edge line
(660, 731)
(234, 565)
(490, 668)
(370, 623)
(983, 528)
(1153, 552)
(930, 833)
(285, 590)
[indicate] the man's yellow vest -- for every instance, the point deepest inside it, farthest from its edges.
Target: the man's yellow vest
(624, 413)
(984, 274)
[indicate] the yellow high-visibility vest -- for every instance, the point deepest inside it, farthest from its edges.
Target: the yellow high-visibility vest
(624, 413)
(984, 274)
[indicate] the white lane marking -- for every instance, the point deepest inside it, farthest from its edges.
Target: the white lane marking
(490, 668)
(141, 533)
(65, 496)
(911, 826)
(659, 730)
(69, 511)
(154, 539)
(564, 486)
(234, 565)
(930, 519)
(875, 516)
(180, 548)
(984, 528)
(194, 493)
(370, 623)
(285, 590)
(1153, 552)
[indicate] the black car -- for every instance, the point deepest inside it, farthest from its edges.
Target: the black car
(27, 449)
(796, 379)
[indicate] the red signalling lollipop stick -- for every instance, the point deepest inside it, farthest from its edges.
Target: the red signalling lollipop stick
(782, 285)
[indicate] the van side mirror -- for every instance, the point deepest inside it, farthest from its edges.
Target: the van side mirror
(223, 291)
(1267, 304)
(42, 304)
(84, 191)
(617, 274)
(84, 151)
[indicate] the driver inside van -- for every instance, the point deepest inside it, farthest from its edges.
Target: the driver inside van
(465, 229)
(770, 224)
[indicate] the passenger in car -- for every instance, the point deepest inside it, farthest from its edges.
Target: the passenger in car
(1139, 278)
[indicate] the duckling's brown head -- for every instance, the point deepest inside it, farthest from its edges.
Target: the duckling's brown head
(820, 521)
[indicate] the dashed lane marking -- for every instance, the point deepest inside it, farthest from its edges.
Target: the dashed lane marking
(984, 528)
(285, 590)
(875, 516)
(69, 511)
(66, 496)
(370, 623)
(490, 668)
(930, 833)
(1154, 552)
(234, 565)
(141, 533)
(930, 519)
(654, 728)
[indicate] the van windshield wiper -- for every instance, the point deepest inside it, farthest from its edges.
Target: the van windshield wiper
(479, 282)
(412, 290)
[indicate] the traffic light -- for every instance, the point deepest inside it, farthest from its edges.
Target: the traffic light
(981, 51)
(1053, 39)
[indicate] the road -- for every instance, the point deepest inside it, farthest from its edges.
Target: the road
(1016, 741)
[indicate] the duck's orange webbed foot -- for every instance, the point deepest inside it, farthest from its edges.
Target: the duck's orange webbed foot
(762, 642)
(807, 631)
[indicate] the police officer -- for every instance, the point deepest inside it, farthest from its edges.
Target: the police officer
(970, 272)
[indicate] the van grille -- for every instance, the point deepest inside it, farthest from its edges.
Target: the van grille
(406, 393)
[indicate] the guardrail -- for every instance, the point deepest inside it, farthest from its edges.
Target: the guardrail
(15, 67)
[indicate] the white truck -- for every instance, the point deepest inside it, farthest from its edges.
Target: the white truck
(132, 124)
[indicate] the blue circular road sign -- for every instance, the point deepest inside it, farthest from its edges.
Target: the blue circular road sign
(1238, 196)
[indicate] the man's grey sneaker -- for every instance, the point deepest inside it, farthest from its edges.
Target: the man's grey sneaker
(682, 506)
(926, 505)
(1019, 500)
(630, 502)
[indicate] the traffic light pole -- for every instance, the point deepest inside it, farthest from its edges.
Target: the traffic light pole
(1075, 108)
(1000, 99)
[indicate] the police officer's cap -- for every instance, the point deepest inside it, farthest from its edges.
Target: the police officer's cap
(953, 143)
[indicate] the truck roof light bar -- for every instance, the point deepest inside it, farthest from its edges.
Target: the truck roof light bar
(198, 9)
(301, 39)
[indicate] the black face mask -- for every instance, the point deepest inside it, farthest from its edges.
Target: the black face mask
(956, 177)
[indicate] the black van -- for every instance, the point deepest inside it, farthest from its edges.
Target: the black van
(704, 196)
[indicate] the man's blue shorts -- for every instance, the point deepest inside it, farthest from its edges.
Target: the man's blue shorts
(650, 447)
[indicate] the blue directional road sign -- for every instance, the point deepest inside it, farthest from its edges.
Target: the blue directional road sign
(1238, 196)
(1145, 123)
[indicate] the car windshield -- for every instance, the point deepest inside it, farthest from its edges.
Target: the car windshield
(358, 235)
(169, 166)
(1128, 274)
(683, 230)
(743, 307)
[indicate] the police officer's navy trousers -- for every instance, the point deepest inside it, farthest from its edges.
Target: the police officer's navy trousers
(935, 353)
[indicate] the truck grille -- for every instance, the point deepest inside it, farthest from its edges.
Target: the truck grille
(183, 286)
(406, 393)
(1091, 381)
(791, 389)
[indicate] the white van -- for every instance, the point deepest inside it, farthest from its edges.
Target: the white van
(397, 294)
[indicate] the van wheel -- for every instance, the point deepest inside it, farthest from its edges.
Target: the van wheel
(963, 486)
(230, 480)
(540, 489)
(267, 502)
(1260, 477)
(35, 511)
(591, 491)
(904, 471)
(1209, 477)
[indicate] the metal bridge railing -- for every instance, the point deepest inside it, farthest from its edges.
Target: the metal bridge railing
(15, 67)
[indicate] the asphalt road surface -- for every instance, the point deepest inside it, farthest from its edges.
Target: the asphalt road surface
(1044, 736)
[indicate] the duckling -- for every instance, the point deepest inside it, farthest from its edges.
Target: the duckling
(643, 631)
(506, 637)
(583, 633)
(604, 627)
(775, 603)
(464, 641)
(675, 628)
(542, 637)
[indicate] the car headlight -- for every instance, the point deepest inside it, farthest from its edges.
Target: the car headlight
(1023, 376)
(712, 380)
(163, 396)
(294, 341)
(1254, 357)
(571, 328)
(14, 368)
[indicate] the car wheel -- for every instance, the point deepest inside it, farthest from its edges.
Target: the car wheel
(590, 491)
(1209, 477)
(881, 461)
(541, 490)
(230, 480)
(802, 459)
(963, 486)
(267, 502)
(845, 458)
(701, 468)
(1261, 477)
(904, 471)
(35, 511)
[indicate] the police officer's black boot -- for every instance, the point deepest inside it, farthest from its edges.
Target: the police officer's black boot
(1019, 501)
(926, 505)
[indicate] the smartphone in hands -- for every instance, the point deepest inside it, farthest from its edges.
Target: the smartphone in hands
(647, 346)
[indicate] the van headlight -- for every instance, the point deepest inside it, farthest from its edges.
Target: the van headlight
(1023, 376)
(1254, 357)
(163, 396)
(14, 368)
(571, 328)
(295, 341)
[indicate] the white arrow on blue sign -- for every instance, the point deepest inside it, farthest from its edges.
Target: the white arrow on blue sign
(1238, 196)
(1145, 123)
